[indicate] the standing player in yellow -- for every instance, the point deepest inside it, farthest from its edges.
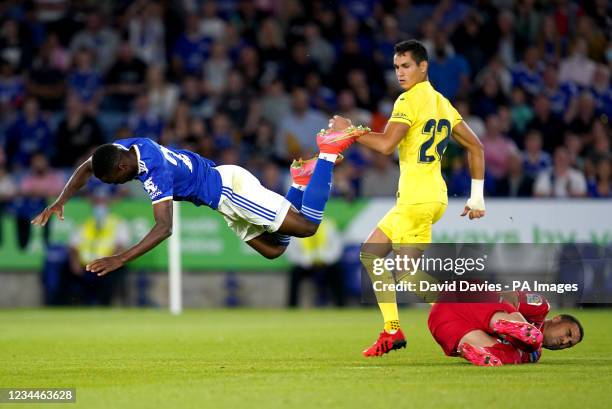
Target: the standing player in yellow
(420, 126)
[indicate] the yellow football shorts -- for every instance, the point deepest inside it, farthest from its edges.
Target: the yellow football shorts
(411, 223)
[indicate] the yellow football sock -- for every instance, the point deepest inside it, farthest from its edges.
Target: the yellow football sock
(386, 299)
(419, 275)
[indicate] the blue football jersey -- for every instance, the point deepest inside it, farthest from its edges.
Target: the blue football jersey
(174, 173)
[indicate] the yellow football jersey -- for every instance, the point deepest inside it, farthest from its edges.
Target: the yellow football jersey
(431, 118)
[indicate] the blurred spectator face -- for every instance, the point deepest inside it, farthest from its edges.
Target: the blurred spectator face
(515, 164)
(346, 101)
(30, 109)
(580, 48)
(299, 52)
(505, 119)
(561, 160)
(155, 76)
(533, 142)
(74, 107)
(271, 176)
(541, 106)
(505, 22)
(440, 42)
(39, 164)
(586, 104)
(141, 104)
(218, 51)
(197, 128)
(235, 82)
(313, 81)
(493, 126)
(490, 87)
(229, 156)
(191, 88)
(601, 77)
(299, 100)
(573, 143)
(311, 32)
(604, 169)
(550, 77)
(83, 59)
(6, 69)
(126, 53)
(463, 108)
(357, 78)
(350, 27)
(390, 26)
(601, 138)
(532, 56)
(192, 24)
(518, 96)
(10, 31)
(94, 21)
(221, 124)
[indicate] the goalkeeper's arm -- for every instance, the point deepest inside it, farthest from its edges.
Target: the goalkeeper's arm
(462, 133)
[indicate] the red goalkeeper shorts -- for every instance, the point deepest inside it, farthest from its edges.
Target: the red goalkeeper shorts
(449, 322)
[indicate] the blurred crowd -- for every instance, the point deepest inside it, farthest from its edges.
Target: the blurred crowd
(250, 82)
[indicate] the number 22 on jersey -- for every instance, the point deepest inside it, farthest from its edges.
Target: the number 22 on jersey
(433, 128)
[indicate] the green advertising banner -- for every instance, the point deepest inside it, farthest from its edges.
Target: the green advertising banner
(206, 241)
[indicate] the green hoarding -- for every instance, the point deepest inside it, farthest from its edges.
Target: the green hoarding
(206, 241)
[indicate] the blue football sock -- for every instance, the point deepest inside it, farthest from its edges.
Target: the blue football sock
(318, 190)
(294, 196)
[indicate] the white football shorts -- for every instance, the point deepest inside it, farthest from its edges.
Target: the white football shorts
(249, 208)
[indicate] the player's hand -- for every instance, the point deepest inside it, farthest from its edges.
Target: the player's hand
(103, 266)
(339, 123)
(475, 208)
(44, 216)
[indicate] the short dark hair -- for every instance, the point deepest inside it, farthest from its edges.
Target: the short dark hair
(573, 320)
(415, 48)
(105, 160)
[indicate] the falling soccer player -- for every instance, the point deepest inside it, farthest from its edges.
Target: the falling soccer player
(260, 217)
(421, 124)
(511, 331)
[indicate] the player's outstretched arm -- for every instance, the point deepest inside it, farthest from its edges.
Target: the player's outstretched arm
(384, 142)
(162, 212)
(78, 179)
(462, 133)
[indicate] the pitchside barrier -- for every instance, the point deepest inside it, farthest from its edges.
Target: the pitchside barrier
(207, 244)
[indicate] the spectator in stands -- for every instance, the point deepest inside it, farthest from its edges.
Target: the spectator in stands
(601, 187)
(561, 180)
(192, 48)
(36, 187)
(144, 121)
(548, 124)
(296, 131)
(46, 83)
(347, 108)
(578, 67)
(448, 73)
(498, 148)
(520, 111)
(211, 25)
(602, 90)
(125, 79)
(146, 32)
(560, 95)
(12, 92)
(516, 183)
(535, 159)
(77, 134)
(98, 37)
(216, 69)
(488, 97)
(13, 47)
(275, 103)
(581, 114)
(84, 82)
(380, 178)
(322, 98)
(528, 73)
(319, 49)
(163, 96)
(29, 134)
(237, 102)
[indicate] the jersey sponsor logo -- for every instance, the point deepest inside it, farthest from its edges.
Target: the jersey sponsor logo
(151, 188)
(533, 299)
(142, 167)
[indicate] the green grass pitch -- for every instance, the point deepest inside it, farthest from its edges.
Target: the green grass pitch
(281, 359)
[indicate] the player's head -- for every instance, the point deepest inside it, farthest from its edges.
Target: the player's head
(410, 62)
(113, 164)
(563, 331)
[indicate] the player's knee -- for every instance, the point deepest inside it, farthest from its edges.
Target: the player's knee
(306, 229)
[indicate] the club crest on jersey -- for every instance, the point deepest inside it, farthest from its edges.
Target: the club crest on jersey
(151, 188)
(533, 299)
